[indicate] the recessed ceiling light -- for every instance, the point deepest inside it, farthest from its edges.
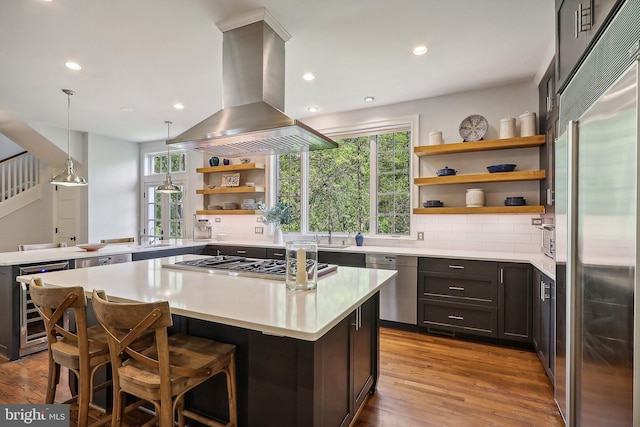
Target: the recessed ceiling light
(420, 50)
(369, 98)
(309, 76)
(313, 109)
(73, 65)
(178, 106)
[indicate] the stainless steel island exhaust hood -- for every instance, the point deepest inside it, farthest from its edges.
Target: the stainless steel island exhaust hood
(251, 120)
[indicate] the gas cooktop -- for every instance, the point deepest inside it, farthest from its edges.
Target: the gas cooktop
(241, 266)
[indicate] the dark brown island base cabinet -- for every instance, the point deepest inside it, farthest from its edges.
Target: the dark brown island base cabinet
(288, 382)
(476, 298)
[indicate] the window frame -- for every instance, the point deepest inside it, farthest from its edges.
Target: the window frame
(150, 179)
(410, 123)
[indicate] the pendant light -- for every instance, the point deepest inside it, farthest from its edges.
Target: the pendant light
(68, 176)
(168, 187)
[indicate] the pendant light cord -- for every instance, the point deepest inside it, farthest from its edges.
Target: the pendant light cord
(69, 92)
(168, 156)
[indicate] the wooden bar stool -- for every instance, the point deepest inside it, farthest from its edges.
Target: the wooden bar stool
(164, 372)
(82, 352)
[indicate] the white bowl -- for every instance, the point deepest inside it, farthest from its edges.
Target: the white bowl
(250, 184)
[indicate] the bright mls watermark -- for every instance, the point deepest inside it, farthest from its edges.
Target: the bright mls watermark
(34, 415)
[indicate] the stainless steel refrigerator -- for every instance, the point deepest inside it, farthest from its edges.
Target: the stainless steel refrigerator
(597, 232)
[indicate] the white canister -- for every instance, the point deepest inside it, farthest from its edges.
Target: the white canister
(528, 124)
(508, 127)
(475, 197)
(435, 137)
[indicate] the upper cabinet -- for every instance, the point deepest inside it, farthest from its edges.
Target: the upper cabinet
(577, 24)
(471, 147)
(226, 188)
(549, 114)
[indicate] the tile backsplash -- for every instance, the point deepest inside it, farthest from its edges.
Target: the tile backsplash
(499, 232)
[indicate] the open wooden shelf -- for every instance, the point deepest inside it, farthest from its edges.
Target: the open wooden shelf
(480, 210)
(488, 145)
(230, 190)
(534, 175)
(228, 212)
(231, 168)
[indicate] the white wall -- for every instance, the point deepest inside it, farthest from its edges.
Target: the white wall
(8, 148)
(112, 205)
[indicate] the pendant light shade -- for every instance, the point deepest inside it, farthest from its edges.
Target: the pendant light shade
(68, 176)
(168, 187)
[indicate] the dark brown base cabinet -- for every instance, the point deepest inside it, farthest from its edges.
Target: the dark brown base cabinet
(457, 296)
(288, 382)
(480, 298)
(515, 305)
(544, 339)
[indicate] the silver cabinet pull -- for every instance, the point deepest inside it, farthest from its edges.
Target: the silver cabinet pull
(457, 267)
(241, 252)
(278, 255)
(451, 316)
(456, 288)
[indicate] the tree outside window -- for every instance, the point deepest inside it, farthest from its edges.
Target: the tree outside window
(339, 186)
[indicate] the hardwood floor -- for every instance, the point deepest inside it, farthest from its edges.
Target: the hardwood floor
(424, 381)
(427, 380)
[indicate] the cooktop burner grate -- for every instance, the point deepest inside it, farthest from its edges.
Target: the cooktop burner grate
(241, 266)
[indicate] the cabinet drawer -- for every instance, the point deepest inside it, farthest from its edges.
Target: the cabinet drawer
(464, 318)
(474, 291)
(458, 266)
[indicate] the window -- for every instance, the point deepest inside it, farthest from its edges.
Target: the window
(163, 213)
(364, 185)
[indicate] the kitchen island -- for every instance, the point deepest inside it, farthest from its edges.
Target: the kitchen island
(303, 358)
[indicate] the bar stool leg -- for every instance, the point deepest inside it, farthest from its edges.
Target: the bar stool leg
(84, 395)
(53, 378)
(231, 391)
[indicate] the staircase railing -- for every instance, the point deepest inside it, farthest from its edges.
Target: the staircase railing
(18, 174)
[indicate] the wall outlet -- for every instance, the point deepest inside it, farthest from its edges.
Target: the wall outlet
(420, 235)
(259, 230)
(536, 221)
(218, 219)
(259, 219)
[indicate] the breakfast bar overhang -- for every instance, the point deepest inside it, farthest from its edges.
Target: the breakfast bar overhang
(303, 358)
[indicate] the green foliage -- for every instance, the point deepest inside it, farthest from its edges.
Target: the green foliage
(340, 181)
(278, 215)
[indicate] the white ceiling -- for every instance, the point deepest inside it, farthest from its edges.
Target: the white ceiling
(146, 55)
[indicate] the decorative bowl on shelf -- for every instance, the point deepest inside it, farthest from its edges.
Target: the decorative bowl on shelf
(446, 171)
(501, 168)
(214, 207)
(229, 205)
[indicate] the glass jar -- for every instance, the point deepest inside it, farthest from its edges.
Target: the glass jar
(302, 265)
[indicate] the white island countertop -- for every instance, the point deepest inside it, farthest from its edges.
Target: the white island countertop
(258, 304)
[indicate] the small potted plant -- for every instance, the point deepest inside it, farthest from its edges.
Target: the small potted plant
(278, 215)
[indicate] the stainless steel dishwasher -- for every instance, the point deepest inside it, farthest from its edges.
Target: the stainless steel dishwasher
(398, 299)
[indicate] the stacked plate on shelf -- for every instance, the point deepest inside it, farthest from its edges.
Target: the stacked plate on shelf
(515, 201)
(249, 205)
(433, 204)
